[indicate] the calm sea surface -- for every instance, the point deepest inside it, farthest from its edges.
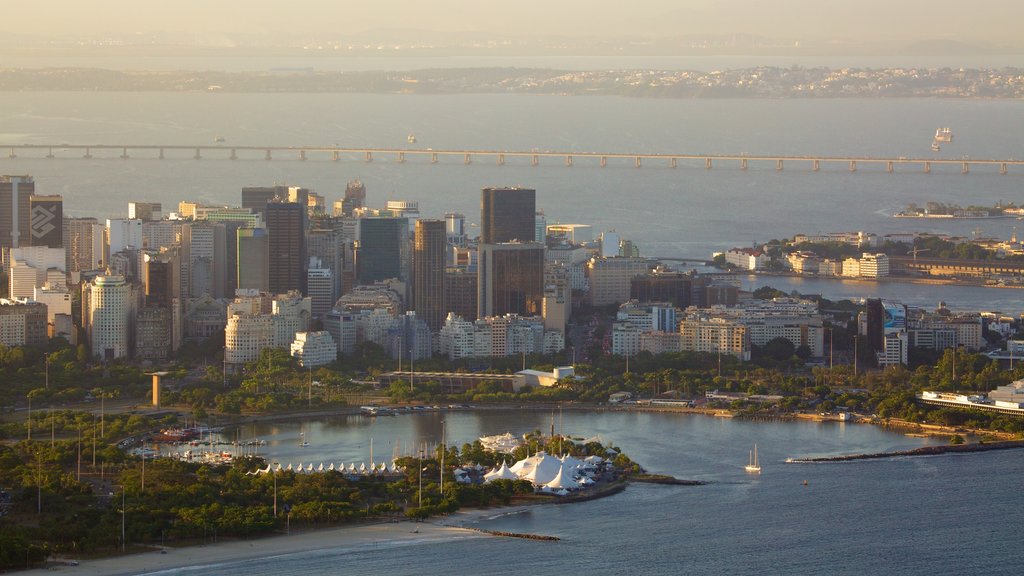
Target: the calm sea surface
(933, 515)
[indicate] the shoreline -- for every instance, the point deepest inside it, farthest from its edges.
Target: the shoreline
(347, 539)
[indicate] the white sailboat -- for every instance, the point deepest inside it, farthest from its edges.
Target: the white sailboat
(304, 441)
(753, 466)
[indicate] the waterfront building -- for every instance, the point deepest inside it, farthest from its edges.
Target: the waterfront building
(15, 192)
(747, 258)
(625, 339)
(109, 309)
(314, 349)
(611, 279)
(507, 215)
(286, 226)
(540, 227)
(22, 322)
(858, 239)
(510, 279)
(428, 261)
(867, 266)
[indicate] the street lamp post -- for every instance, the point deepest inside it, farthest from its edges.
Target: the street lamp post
(274, 472)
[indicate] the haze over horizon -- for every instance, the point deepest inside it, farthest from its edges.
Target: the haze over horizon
(812, 25)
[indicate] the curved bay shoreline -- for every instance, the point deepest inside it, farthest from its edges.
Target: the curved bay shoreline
(923, 451)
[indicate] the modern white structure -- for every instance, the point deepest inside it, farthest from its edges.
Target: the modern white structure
(109, 317)
(314, 349)
(246, 335)
(747, 258)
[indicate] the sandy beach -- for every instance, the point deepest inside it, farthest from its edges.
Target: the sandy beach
(352, 538)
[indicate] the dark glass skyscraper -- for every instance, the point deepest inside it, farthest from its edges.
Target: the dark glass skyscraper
(428, 264)
(286, 225)
(507, 214)
(14, 210)
(383, 250)
(510, 279)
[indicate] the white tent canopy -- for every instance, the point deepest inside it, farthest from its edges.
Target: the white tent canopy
(500, 473)
(562, 481)
(539, 469)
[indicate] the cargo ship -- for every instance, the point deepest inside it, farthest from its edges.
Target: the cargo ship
(943, 135)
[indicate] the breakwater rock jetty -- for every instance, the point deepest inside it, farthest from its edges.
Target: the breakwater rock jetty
(923, 451)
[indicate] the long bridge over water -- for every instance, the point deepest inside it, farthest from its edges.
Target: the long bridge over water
(499, 157)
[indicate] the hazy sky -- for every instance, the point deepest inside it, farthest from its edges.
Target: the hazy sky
(895, 21)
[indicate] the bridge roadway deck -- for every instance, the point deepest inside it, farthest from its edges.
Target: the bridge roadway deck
(499, 156)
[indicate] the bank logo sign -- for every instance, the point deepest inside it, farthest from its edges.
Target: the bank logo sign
(46, 221)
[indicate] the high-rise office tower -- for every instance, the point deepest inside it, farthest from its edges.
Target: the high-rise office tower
(205, 245)
(159, 277)
(108, 312)
(254, 259)
(355, 197)
(286, 224)
(383, 250)
(507, 214)
(510, 279)
(428, 278)
(83, 239)
(46, 221)
(256, 198)
(15, 192)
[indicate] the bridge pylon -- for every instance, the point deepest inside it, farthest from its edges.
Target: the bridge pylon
(161, 155)
(401, 157)
(568, 161)
(707, 163)
(639, 162)
(433, 157)
(198, 155)
(467, 159)
(673, 163)
(604, 161)
(534, 160)
(234, 155)
(853, 165)
(501, 159)
(124, 153)
(778, 164)
(87, 154)
(12, 154)
(816, 165)
(335, 156)
(302, 155)
(1002, 169)
(268, 156)
(367, 156)
(743, 164)
(927, 167)
(964, 168)
(888, 167)
(50, 153)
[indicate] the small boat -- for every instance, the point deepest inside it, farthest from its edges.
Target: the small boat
(753, 466)
(220, 139)
(304, 443)
(411, 139)
(936, 147)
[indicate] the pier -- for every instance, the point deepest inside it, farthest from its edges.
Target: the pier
(567, 159)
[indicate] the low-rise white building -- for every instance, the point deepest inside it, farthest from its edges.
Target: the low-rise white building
(314, 349)
(747, 258)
